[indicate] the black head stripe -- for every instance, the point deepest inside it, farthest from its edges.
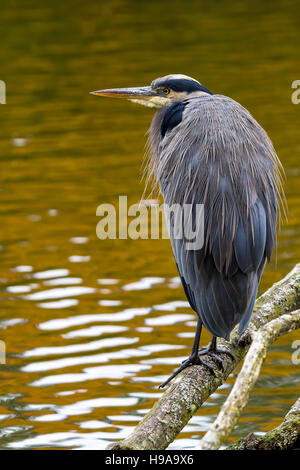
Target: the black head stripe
(206, 90)
(181, 84)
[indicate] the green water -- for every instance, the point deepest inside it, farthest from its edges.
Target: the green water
(90, 326)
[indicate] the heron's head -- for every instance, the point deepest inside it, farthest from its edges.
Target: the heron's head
(162, 92)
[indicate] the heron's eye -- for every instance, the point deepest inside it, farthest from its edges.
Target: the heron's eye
(163, 91)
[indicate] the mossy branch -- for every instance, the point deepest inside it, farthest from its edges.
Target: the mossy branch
(191, 388)
(239, 395)
(284, 437)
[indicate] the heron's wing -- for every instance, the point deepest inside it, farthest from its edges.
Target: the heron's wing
(240, 210)
(224, 298)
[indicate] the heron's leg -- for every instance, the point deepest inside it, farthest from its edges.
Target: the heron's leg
(212, 350)
(192, 359)
(195, 348)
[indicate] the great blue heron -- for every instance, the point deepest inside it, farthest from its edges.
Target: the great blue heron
(207, 149)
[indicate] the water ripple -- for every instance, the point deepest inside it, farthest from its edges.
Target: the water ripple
(63, 281)
(50, 273)
(78, 360)
(168, 319)
(95, 331)
(63, 303)
(76, 348)
(59, 293)
(144, 283)
(125, 315)
(119, 371)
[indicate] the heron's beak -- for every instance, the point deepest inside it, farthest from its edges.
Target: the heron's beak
(144, 95)
(136, 93)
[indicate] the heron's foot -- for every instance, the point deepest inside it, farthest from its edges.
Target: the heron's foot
(190, 361)
(213, 353)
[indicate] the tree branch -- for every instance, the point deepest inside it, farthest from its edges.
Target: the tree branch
(284, 437)
(194, 385)
(239, 395)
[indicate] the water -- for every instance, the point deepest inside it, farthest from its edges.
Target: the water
(92, 327)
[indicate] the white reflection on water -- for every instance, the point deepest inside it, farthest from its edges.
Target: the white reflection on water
(50, 273)
(165, 360)
(161, 347)
(79, 240)
(93, 424)
(48, 418)
(144, 283)
(63, 281)
(70, 392)
(171, 306)
(144, 329)
(168, 319)
(23, 269)
(157, 379)
(79, 259)
(125, 417)
(78, 360)
(186, 444)
(109, 303)
(3, 417)
(75, 348)
(146, 394)
(18, 289)
(62, 323)
(119, 371)
(108, 281)
(86, 406)
(12, 322)
(186, 334)
(52, 212)
(84, 441)
(104, 291)
(95, 331)
(59, 293)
